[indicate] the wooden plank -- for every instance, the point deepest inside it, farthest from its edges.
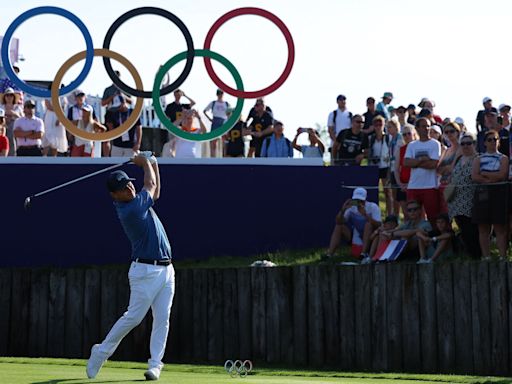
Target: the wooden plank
(300, 315)
(362, 298)
(56, 313)
(379, 319)
(330, 308)
(259, 331)
(481, 318)
(200, 315)
(172, 349)
(428, 316)
(73, 329)
(5, 313)
(244, 313)
(394, 298)
(462, 318)
(108, 303)
(286, 315)
(125, 349)
(272, 301)
(316, 331)
(411, 334)
(215, 316)
(347, 340)
(187, 326)
(20, 299)
(92, 302)
(509, 285)
(445, 317)
(499, 319)
(230, 314)
(38, 319)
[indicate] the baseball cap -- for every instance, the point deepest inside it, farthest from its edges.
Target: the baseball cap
(87, 107)
(437, 128)
(30, 103)
(79, 92)
(425, 112)
(486, 99)
(503, 106)
(118, 180)
(411, 106)
(401, 108)
(2, 113)
(341, 97)
(387, 95)
(459, 120)
(359, 194)
(391, 219)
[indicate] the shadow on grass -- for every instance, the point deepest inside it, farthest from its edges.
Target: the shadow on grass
(79, 381)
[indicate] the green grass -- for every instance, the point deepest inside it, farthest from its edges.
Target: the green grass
(55, 371)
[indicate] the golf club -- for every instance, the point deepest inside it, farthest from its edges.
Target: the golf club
(28, 200)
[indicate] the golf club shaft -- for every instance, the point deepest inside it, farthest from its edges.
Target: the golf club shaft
(81, 178)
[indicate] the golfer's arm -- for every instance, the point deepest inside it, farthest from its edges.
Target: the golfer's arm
(156, 170)
(150, 181)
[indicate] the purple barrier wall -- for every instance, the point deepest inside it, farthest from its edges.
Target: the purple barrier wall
(208, 210)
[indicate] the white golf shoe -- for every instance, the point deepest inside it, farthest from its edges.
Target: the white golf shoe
(152, 374)
(95, 362)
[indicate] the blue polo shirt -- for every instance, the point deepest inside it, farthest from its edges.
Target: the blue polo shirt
(143, 228)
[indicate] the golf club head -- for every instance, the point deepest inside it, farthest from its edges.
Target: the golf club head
(28, 203)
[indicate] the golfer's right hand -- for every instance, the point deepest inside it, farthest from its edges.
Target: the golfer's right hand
(140, 160)
(149, 155)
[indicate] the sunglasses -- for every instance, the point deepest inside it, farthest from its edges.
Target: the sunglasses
(406, 133)
(449, 131)
(359, 122)
(413, 209)
(491, 139)
(466, 143)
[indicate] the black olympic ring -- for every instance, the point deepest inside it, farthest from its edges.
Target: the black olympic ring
(238, 367)
(152, 11)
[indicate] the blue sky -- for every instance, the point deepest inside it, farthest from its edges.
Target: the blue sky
(454, 52)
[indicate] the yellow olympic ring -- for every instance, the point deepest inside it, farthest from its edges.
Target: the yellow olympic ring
(100, 136)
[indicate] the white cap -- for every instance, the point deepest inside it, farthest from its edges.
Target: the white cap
(459, 120)
(359, 194)
(2, 113)
(503, 106)
(486, 99)
(86, 107)
(437, 128)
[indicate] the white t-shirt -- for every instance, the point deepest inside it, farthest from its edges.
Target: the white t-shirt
(186, 149)
(26, 124)
(422, 178)
(218, 109)
(343, 120)
(371, 209)
(380, 150)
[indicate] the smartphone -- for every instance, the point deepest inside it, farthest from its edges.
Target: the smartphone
(500, 120)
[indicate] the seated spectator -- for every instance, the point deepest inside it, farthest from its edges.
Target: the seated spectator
(234, 139)
(437, 243)
(401, 172)
(218, 108)
(84, 147)
(315, 148)
(127, 145)
(28, 131)
(422, 156)
(460, 204)
(351, 144)
(186, 148)
(277, 145)
(355, 223)
(390, 223)
(408, 230)
(4, 141)
(490, 208)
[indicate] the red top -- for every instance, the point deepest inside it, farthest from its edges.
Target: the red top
(405, 172)
(4, 143)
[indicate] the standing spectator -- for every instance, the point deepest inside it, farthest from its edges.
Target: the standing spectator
(315, 148)
(277, 145)
(460, 205)
(355, 223)
(423, 157)
(447, 160)
(261, 127)
(403, 173)
(4, 141)
(28, 131)
(339, 119)
(252, 112)
(490, 122)
(13, 110)
(395, 142)
(426, 103)
(480, 117)
(377, 120)
(438, 243)
(401, 113)
(411, 114)
(55, 140)
(186, 148)
(113, 97)
(370, 113)
(490, 209)
(83, 147)
(128, 144)
(235, 146)
(174, 112)
(436, 133)
(219, 117)
(460, 121)
(351, 145)
(379, 154)
(383, 106)
(503, 128)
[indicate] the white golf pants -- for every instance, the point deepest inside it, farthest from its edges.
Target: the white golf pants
(150, 286)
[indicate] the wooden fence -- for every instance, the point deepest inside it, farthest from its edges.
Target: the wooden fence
(454, 318)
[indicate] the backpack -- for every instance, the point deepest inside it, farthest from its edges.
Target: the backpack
(335, 113)
(267, 143)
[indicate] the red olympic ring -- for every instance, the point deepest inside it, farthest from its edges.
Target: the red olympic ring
(289, 41)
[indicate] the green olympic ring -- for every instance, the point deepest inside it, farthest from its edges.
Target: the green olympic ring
(168, 123)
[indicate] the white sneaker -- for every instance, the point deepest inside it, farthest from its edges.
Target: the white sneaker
(95, 362)
(152, 374)
(424, 261)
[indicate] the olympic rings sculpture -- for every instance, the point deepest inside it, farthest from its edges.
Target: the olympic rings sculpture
(238, 367)
(139, 92)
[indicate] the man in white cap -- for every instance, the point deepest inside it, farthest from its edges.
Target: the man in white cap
(480, 117)
(355, 222)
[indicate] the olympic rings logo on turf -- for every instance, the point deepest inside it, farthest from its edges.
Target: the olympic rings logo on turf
(138, 91)
(238, 367)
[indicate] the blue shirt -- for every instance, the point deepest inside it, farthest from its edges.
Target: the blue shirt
(143, 228)
(277, 147)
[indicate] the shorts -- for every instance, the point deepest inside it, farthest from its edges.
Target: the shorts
(490, 204)
(383, 173)
(429, 198)
(217, 122)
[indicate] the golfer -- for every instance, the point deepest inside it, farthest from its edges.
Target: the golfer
(151, 273)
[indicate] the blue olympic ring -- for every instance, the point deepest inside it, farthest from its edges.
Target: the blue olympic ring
(40, 92)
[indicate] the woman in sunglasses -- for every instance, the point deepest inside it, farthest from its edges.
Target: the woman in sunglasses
(460, 204)
(490, 210)
(447, 160)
